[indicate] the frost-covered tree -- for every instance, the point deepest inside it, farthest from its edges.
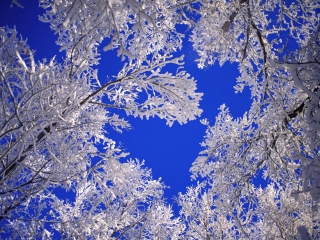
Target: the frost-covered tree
(120, 201)
(269, 213)
(202, 217)
(53, 116)
(276, 45)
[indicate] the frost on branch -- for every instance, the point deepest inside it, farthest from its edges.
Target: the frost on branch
(148, 91)
(278, 138)
(47, 132)
(202, 218)
(250, 32)
(268, 213)
(49, 124)
(115, 199)
(52, 118)
(142, 31)
(135, 28)
(120, 203)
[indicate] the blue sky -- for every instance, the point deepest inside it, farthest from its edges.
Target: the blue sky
(168, 151)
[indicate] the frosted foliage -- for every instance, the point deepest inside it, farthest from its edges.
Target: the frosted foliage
(61, 175)
(119, 204)
(43, 122)
(277, 139)
(201, 216)
(53, 117)
(269, 213)
(135, 28)
(171, 97)
(282, 215)
(125, 202)
(249, 32)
